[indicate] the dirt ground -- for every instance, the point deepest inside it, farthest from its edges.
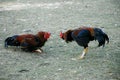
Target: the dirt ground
(58, 62)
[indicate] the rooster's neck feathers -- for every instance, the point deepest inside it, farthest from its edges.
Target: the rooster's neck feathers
(68, 36)
(40, 35)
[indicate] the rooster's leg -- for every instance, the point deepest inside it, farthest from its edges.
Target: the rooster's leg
(84, 53)
(39, 50)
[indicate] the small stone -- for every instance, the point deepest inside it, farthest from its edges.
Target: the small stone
(74, 59)
(27, 30)
(59, 69)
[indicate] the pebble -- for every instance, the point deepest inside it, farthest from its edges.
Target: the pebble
(74, 59)
(59, 69)
(29, 30)
(4, 29)
(23, 70)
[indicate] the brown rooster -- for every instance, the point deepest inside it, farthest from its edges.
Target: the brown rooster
(28, 42)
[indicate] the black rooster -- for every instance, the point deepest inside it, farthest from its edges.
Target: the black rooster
(83, 36)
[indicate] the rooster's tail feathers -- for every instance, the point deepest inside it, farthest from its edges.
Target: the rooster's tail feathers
(10, 41)
(101, 37)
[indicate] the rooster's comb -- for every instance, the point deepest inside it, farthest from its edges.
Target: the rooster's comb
(61, 34)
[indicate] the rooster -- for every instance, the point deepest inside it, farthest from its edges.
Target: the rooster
(28, 42)
(83, 36)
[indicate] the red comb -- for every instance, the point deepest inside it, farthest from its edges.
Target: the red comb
(61, 34)
(47, 35)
